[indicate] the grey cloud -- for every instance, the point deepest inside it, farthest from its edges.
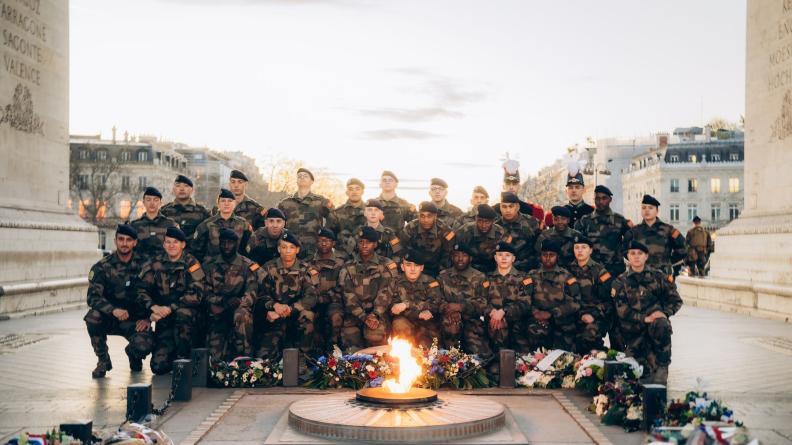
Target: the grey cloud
(389, 134)
(412, 114)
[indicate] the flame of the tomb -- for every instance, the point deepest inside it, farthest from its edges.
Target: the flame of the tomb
(409, 370)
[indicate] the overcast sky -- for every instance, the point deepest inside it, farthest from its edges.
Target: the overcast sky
(421, 87)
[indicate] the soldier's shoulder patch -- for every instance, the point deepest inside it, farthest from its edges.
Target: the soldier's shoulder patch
(675, 234)
(527, 281)
(450, 235)
(434, 284)
(485, 284)
(254, 267)
(604, 277)
(394, 241)
(630, 224)
(250, 228)
(571, 281)
(670, 278)
(313, 271)
(194, 267)
(391, 265)
(329, 204)
(90, 275)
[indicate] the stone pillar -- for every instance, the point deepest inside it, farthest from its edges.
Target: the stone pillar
(751, 270)
(45, 249)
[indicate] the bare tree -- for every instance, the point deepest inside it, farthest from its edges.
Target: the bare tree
(96, 184)
(281, 173)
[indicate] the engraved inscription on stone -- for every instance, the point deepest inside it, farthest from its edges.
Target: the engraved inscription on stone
(782, 127)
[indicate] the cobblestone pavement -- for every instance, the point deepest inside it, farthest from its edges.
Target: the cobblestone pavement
(46, 362)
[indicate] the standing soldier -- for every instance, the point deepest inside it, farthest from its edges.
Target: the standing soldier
(511, 184)
(606, 229)
(246, 207)
(206, 240)
(596, 305)
(230, 279)
(367, 282)
(508, 301)
(555, 302)
(263, 244)
(350, 217)
(397, 211)
(562, 234)
(389, 245)
(479, 196)
(463, 305)
(183, 209)
(700, 246)
(114, 307)
(481, 237)
(306, 213)
(151, 226)
(666, 245)
(521, 231)
(415, 303)
(645, 298)
(430, 238)
(325, 266)
(171, 288)
(578, 208)
(446, 212)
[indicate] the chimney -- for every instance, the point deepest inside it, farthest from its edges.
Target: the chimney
(114, 134)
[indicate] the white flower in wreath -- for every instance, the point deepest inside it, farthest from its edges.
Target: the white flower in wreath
(600, 404)
(267, 370)
(568, 382)
(369, 368)
(220, 375)
(602, 355)
(634, 412)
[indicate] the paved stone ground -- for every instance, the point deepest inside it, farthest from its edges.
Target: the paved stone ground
(45, 365)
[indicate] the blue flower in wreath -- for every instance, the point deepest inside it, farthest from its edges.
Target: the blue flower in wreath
(376, 382)
(322, 360)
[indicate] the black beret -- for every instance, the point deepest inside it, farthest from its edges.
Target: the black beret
(355, 181)
(290, 238)
(577, 179)
(603, 189)
(582, 239)
(152, 191)
(480, 189)
(462, 247)
(175, 233)
(551, 245)
(389, 173)
(238, 175)
(369, 233)
(327, 233)
(561, 211)
(505, 247)
(636, 245)
(696, 219)
(225, 193)
(184, 180)
(486, 212)
(427, 206)
(128, 230)
(272, 212)
(414, 256)
(374, 203)
(440, 182)
(649, 199)
(509, 197)
(305, 170)
(226, 233)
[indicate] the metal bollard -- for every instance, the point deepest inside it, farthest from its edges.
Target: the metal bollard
(614, 369)
(81, 430)
(291, 367)
(181, 380)
(200, 359)
(654, 403)
(138, 401)
(507, 358)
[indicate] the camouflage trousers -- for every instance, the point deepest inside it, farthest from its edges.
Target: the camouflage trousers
(470, 334)
(224, 338)
(511, 337)
(101, 325)
(590, 336)
(549, 335)
(652, 345)
(173, 337)
(296, 331)
(327, 326)
(355, 335)
(420, 332)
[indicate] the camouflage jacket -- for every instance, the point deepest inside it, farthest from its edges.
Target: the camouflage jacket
(187, 216)
(151, 234)
(481, 244)
(179, 283)
(397, 212)
(565, 239)
(327, 270)
(420, 295)
(304, 217)
(448, 213)
(637, 294)
(595, 285)
(555, 291)
(578, 211)
(367, 286)
(389, 246)
(509, 292)
(206, 240)
(261, 247)
(346, 220)
(522, 233)
(228, 284)
(467, 217)
(465, 288)
(112, 284)
(666, 245)
(435, 243)
(294, 286)
(606, 230)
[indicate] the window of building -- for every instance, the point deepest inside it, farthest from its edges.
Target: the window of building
(691, 158)
(674, 158)
(142, 156)
(715, 157)
(715, 212)
(734, 156)
(715, 185)
(693, 185)
(82, 182)
(101, 155)
(142, 180)
(126, 156)
(124, 208)
(734, 185)
(674, 212)
(674, 185)
(82, 154)
(102, 180)
(125, 183)
(692, 211)
(734, 212)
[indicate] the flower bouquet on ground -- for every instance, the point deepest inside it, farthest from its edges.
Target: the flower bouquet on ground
(619, 403)
(246, 372)
(355, 371)
(546, 369)
(452, 368)
(590, 369)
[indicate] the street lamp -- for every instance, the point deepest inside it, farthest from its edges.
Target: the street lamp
(597, 169)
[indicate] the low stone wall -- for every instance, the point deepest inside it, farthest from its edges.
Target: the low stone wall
(743, 297)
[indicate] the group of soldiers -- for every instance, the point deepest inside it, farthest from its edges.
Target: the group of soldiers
(240, 279)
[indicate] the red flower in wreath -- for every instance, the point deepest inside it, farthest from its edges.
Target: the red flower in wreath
(444, 358)
(332, 362)
(372, 374)
(356, 366)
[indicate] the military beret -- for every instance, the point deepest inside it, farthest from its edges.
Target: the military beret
(236, 174)
(389, 173)
(582, 239)
(369, 233)
(128, 230)
(427, 206)
(505, 247)
(462, 247)
(602, 189)
(480, 189)
(486, 212)
(561, 211)
(305, 170)
(649, 199)
(355, 181)
(440, 182)
(272, 212)
(290, 238)
(152, 191)
(226, 233)
(225, 193)
(413, 256)
(636, 245)
(327, 233)
(577, 179)
(696, 219)
(175, 233)
(551, 245)
(510, 198)
(184, 180)
(374, 203)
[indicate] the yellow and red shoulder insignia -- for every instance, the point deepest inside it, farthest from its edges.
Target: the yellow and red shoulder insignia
(485, 284)
(90, 275)
(250, 228)
(527, 281)
(394, 241)
(670, 278)
(450, 235)
(194, 267)
(508, 239)
(675, 233)
(254, 267)
(329, 204)
(313, 271)
(604, 277)
(433, 284)
(391, 266)
(630, 224)
(571, 281)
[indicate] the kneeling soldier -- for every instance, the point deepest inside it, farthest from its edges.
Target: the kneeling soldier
(325, 266)
(508, 299)
(596, 312)
(415, 303)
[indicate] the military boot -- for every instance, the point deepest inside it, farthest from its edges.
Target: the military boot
(135, 364)
(102, 366)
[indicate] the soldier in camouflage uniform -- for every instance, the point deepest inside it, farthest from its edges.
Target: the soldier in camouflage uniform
(397, 211)
(350, 217)
(555, 302)
(389, 245)
(289, 320)
(463, 305)
(562, 234)
(446, 212)
(645, 298)
(606, 229)
(114, 307)
(263, 244)
(230, 279)
(326, 265)
(666, 245)
(306, 213)
(246, 207)
(700, 246)
(481, 237)
(521, 231)
(578, 208)
(479, 196)
(596, 305)
(171, 288)
(151, 226)
(367, 282)
(429, 237)
(184, 210)
(508, 300)
(415, 304)
(206, 240)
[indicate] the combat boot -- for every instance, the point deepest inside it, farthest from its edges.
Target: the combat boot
(135, 364)
(102, 366)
